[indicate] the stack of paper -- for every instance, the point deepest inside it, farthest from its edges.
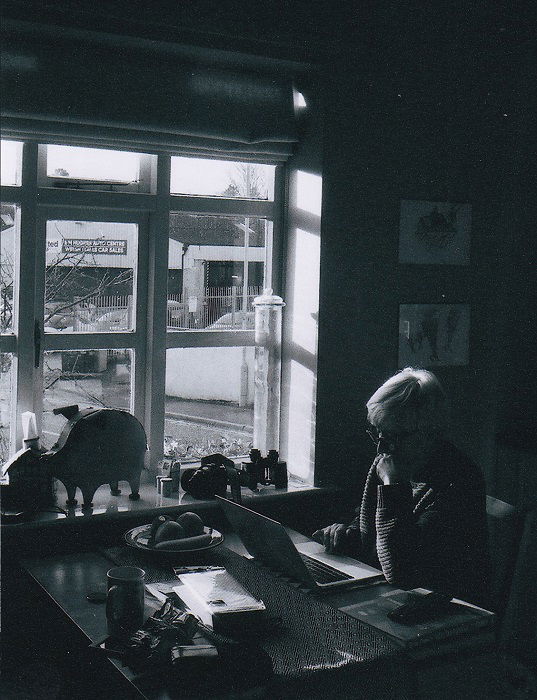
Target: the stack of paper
(219, 600)
(465, 626)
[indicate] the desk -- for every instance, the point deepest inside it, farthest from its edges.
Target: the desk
(307, 663)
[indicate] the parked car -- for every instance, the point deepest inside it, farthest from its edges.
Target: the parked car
(176, 315)
(234, 321)
(116, 320)
(58, 319)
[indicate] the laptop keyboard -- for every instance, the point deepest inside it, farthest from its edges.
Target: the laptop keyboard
(323, 573)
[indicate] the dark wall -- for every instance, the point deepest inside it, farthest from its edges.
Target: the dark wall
(436, 119)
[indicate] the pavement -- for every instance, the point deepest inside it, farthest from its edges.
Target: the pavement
(215, 413)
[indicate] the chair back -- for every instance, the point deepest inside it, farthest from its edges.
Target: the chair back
(505, 526)
(519, 625)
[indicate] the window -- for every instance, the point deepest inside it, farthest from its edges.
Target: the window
(11, 163)
(89, 314)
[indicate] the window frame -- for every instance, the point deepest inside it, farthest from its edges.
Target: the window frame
(150, 338)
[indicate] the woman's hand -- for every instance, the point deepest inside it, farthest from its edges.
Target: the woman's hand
(390, 471)
(332, 537)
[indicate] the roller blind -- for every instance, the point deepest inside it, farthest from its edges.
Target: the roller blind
(124, 96)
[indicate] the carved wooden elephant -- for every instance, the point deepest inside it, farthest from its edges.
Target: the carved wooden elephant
(97, 446)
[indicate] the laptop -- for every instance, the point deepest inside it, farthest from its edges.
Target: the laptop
(267, 541)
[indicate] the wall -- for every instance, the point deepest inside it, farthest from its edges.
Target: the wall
(441, 122)
(196, 373)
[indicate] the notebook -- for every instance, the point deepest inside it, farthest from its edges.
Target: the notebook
(308, 563)
(461, 626)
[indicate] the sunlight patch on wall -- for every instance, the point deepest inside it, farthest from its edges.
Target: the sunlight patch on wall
(309, 189)
(305, 299)
(300, 449)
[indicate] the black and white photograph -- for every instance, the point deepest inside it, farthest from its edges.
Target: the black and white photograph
(268, 384)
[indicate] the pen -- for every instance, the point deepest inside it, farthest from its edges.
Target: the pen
(191, 569)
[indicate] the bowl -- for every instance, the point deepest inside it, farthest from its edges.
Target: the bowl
(138, 538)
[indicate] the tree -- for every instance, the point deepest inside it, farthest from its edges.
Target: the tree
(246, 180)
(6, 292)
(70, 284)
(7, 246)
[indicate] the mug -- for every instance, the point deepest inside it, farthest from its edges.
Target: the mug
(125, 600)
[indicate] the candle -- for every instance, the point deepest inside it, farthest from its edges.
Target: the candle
(29, 426)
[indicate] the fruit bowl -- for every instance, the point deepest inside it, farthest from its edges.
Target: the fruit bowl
(139, 536)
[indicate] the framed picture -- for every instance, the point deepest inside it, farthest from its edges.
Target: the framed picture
(434, 233)
(433, 335)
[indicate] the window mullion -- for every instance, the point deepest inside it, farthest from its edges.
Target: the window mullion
(29, 385)
(140, 347)
(156, 312)
(276, 246)
(216, 206)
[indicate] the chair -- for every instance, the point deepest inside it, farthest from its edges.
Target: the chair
(519, 624)
(513, 556)
(505, 526)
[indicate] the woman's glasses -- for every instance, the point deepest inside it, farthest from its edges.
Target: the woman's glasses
(387, 438)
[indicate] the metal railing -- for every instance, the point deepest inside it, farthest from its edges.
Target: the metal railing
(215, 308)
(104, 313)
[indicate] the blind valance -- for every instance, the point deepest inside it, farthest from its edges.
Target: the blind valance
(88, 91)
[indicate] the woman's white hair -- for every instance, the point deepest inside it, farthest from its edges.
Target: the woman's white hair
(412, 399)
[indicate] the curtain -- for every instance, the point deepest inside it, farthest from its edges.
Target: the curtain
(88, 91)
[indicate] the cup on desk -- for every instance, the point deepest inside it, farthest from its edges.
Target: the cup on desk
(125, 600)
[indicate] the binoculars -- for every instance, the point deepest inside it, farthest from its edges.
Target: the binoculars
(264, 470)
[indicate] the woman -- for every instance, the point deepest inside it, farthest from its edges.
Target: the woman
(422, 518)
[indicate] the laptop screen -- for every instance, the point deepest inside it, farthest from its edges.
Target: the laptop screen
(266, 540)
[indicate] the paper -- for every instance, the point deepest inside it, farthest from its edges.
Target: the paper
(215, 593)
(29, 426)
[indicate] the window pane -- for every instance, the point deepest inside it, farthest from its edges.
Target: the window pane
(216, 267)
(90, 276)
(8, 233)
(89, 378)
(209, 401)
(92, 164)
(6, 389)
(221, 178)
(11, 163)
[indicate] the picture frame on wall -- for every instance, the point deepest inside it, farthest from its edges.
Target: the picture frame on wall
(434, 335)
(434, 233)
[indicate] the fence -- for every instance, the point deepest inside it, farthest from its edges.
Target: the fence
(217, 308)
(104, 313)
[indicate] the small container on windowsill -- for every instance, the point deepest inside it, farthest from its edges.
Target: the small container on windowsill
(165, 486)
(32, 444)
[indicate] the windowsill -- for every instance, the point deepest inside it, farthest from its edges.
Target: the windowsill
(112, 508)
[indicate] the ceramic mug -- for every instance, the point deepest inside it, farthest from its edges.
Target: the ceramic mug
(125, 600)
